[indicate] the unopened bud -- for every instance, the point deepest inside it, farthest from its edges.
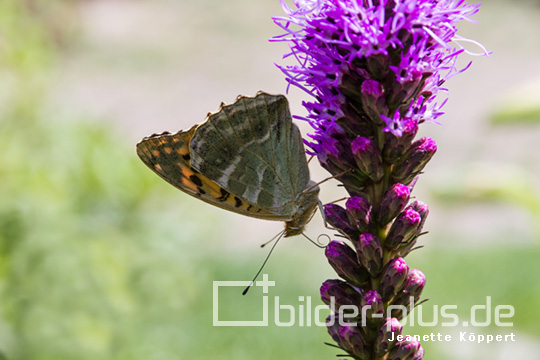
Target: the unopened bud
(403, 230)
(373, 102)
(422, 210)
(391, 329)
(336, 216)
(393, 203)
(372, 303)
(414, 285)
(359, 212)
(397, 146)
(344, 261)
(368, 157)
(418, 156)
(333, 155)
(338, 293)
(350, 338)
(370, 254)
(407, 350)
(393, 278)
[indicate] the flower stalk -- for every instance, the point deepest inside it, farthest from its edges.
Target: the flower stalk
(374, 69)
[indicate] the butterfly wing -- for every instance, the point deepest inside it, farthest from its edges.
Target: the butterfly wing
(252, 149)
(168, 155)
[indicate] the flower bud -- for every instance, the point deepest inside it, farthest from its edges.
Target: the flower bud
(411, 291)
(372, 94)
(332, 323)
(404, 249)
(396, 146)
(330, 152)
(418, 156)
(414, 285)
(422, 210)
(403, 230)
(379, 64)
(393, 203)
(369, 252)
(372, 304)
(391, 329)
(368, 157)
(336, 152)
(407, 350)
(352, 341)
(349, 338)
(359, 212)
(344, 261)
(393, 278)
(402, 90)
(336, 293)
(336, 216)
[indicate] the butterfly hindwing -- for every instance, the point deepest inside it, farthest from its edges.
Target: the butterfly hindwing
(252, 148)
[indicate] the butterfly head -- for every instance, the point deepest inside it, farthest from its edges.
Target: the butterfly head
(308, 202)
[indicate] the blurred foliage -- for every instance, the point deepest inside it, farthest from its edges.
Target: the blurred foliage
(495, 182)
(499, 181)
(97, 259)
(520, 105)
(465, 278)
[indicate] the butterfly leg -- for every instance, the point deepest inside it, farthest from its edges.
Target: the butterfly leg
(321, 209)
(326, 224)
(325, 180)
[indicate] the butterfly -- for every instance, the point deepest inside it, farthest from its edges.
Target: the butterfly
(247, 158)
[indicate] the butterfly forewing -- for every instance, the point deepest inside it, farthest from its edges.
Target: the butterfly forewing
(168, 156)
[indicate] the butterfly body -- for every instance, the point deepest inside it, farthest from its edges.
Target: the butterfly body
(247, 158)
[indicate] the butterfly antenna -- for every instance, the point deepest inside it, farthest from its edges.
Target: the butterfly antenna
(279, 236)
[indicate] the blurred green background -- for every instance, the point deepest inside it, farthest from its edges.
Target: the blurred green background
(100, 259)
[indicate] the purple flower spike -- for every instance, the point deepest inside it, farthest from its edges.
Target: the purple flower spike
(374, 70)
(342, 44)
